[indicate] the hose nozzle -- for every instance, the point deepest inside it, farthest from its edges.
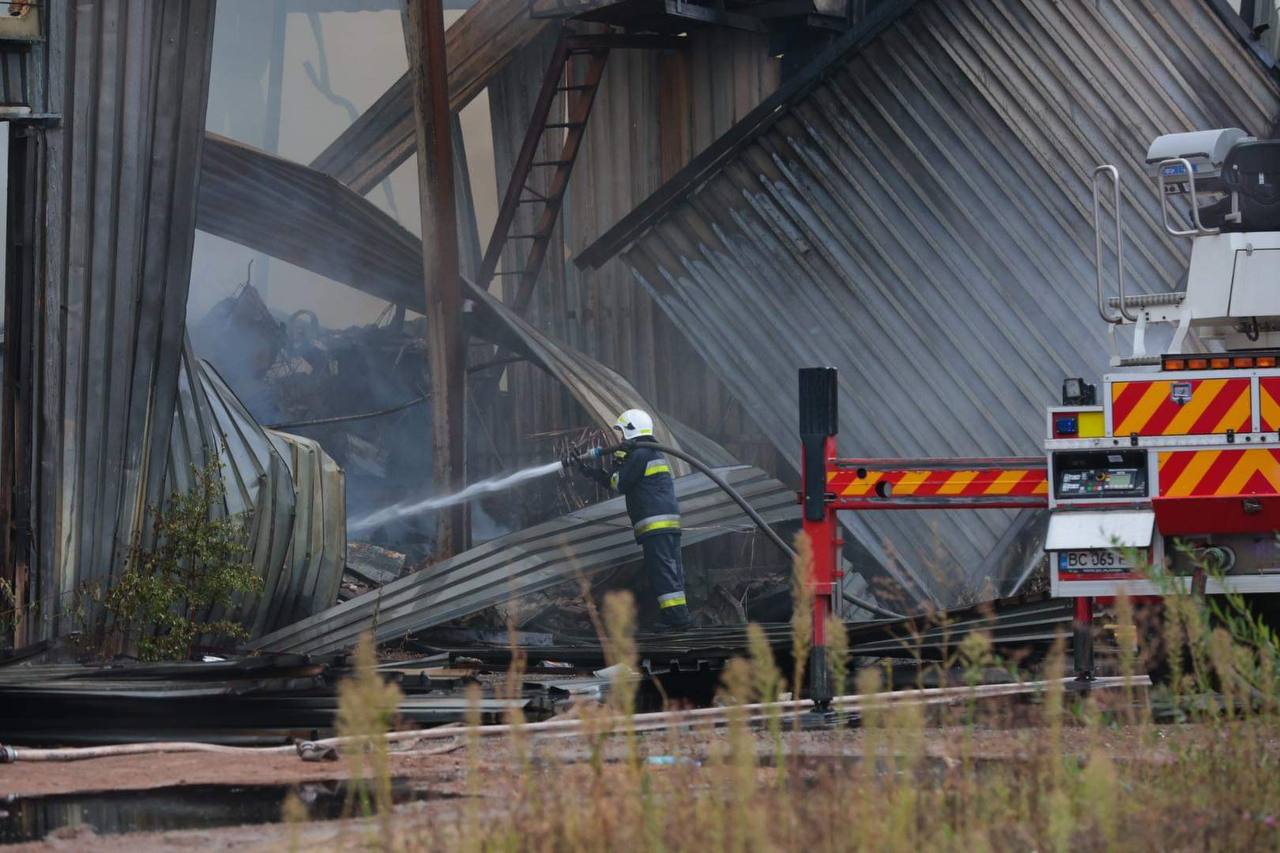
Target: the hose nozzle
(573, 458)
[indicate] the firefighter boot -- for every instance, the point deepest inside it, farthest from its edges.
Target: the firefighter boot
(675, 618)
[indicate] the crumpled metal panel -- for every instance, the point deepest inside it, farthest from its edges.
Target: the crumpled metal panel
(586, 542)
(318, 550)
(211, 422)
(917, 213)
(320, 224)
(309, 219)
(290, 492)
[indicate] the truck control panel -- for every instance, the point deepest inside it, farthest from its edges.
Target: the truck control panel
(1105, 474)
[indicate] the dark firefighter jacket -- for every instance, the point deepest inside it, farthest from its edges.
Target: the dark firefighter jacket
(643, 475)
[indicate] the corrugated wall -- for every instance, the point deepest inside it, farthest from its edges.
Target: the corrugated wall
(919, 216)
(653, 112)
(104, 277)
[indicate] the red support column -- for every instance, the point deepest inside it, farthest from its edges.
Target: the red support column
(819, 424)
(824, 538)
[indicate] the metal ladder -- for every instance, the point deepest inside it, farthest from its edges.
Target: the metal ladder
(579, 92)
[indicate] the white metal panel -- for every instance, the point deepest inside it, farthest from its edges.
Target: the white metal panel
(1209, 275)
(1103, 529)
(1255, 284)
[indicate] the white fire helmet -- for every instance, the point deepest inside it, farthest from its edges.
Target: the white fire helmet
(634, 423)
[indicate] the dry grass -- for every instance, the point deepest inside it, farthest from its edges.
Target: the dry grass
(1080, 774)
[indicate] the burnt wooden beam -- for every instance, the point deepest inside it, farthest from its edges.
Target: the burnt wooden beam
(446, 344)
(477, 46)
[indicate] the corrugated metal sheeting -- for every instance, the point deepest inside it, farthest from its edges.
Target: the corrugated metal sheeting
(537, 558)
(318, 547)
(210, 423)
(108, 410)
(288, 490)
(328, 228)
(98, 288)
(915, 210)
(654, 110)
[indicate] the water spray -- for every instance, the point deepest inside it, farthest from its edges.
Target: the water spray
(493, 484)
(574, 458)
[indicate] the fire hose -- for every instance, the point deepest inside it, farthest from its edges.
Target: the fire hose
(654, 721)
(598, 453)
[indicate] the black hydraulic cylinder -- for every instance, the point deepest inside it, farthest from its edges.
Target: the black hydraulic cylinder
(819, 419)
(820, 687)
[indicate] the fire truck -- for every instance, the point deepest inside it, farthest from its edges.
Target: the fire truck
(1173, 458)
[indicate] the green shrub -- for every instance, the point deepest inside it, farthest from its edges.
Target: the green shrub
(195, 563)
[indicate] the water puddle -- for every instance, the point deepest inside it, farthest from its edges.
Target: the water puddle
(178, 807)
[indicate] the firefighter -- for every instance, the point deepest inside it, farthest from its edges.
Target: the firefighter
(643, 475)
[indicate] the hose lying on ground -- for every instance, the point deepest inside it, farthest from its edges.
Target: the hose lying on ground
(657, 720)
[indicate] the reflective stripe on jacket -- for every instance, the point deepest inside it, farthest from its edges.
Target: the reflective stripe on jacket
(644, 477)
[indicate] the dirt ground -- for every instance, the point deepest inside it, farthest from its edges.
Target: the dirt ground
(439, 772)
(139, 772)
(446, 775)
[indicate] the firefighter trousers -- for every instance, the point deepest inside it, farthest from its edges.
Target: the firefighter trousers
(665, 572)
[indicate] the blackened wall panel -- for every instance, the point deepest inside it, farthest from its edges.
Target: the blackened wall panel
(117, 175)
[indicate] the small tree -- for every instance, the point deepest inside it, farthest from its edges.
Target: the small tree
(196, 561)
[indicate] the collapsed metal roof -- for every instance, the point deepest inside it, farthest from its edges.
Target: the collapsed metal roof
(581, 543)
(915, 210)
(294, 213)
(263, 699)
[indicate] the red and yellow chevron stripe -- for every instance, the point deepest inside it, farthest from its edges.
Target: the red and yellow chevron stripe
(984, 482)
(1148, 408)
(1269, 403)
(1219, 473)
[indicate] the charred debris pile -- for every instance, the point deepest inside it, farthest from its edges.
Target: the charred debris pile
(277, 698)
(361, 393)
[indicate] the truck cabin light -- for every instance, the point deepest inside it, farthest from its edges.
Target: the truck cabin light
(1225, 361)
(1077, 392)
